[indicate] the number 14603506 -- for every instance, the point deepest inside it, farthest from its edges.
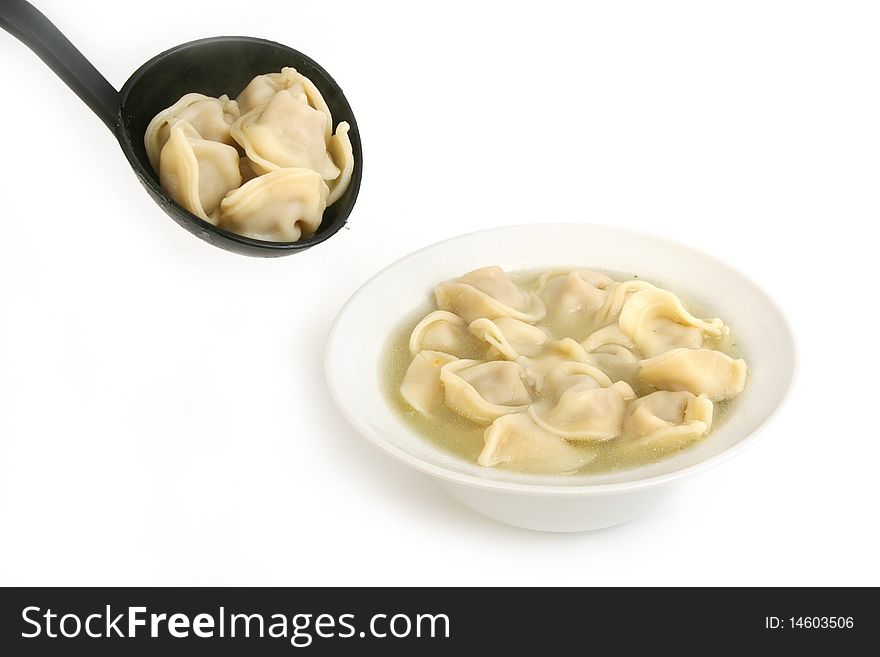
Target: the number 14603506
(809, 622)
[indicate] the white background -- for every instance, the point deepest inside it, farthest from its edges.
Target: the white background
(163, 413)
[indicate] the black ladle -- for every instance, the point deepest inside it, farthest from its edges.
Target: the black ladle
(215, 66)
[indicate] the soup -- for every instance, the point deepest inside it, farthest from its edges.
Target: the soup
(561, 371)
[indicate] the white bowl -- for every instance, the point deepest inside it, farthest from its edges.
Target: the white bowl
(357, 340)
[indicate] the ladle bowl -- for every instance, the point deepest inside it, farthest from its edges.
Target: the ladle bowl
(213, 66)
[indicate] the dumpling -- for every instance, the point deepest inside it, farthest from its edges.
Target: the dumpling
(421, 387)
(285, 133)
(517, 442)
(509, 337)
(585, 411)
(569, 374)
(343, 157)
(582, 403)
(572, 298)
(280, 121)
(281, 206)
(209, 117)
(620, 363)
(489, 293)
(611, 334)
(612, 351)
(656, 321)
(262, 88)
(617, 297)
(553, 354)
(668, 419)
(446, 332)
(482, 392)
(700, 371)
(247, 171)
(195, 172)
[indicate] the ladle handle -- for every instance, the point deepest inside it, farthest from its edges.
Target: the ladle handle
(23, 21)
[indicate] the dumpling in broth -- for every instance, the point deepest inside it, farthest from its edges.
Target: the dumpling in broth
(588, 409)
(484, 391)
(209, 117)
(656, 321)
(195, 172)
(551, 356)
(573, 298)
(666, 420)
(421, 387)
(617, 297)
(699, 371)
(517, 442)
(509, 337)
(446, 332)
(281, 206)
(613, 352)
(569, 374)
(620, 363)
(611, 334)
(285, 133)
(489, 293)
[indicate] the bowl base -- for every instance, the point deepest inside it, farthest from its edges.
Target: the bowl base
(559, 513)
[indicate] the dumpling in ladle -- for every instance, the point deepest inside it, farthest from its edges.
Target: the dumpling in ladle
(277, 130)
(196, 172)
(281, 206)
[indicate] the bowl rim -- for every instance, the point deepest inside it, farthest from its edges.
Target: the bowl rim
(544, 489)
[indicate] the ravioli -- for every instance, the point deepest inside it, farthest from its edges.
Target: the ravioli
(265, 165)
(566, 371)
